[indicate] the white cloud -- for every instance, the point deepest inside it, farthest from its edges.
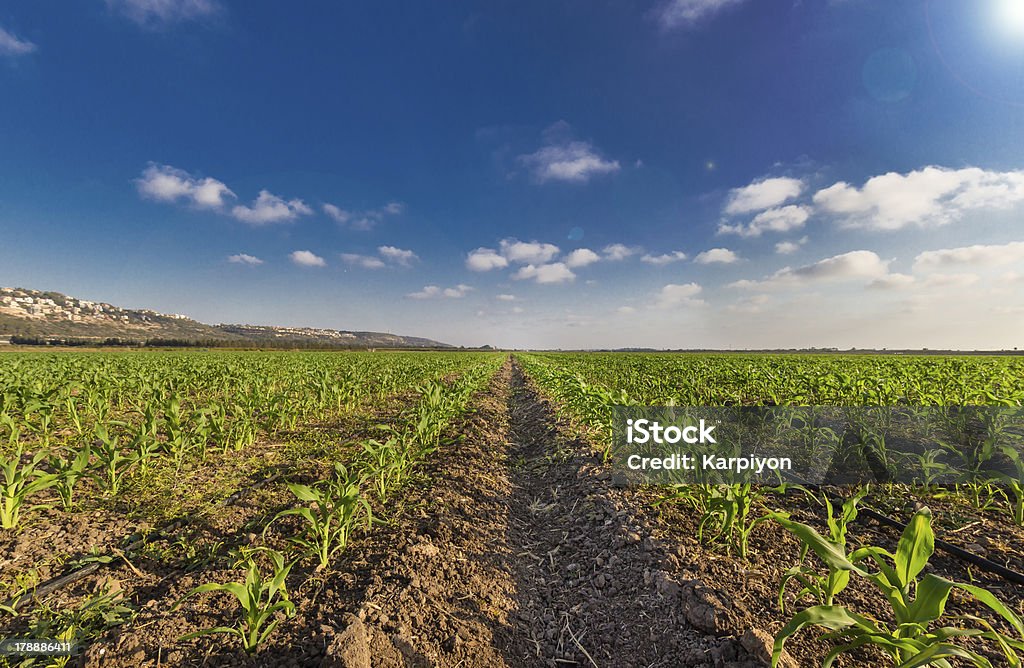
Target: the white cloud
(305, 258)
(978, 254)
(779, 219)
(532, 252)
(428, 292)
(164, 183)
(666, 258)
(568, 161)
(616, 252)
(269, 209)
(928, 197)
(362, 261)
(162, 12)
(437, 292)
(169, 184)
(859, 264)
(243, 258)
(751, 304)
(686, 13)
(362, 220)
(672, 296)
(951, 280)
(581, 257)
(546, 273)
(11, 45)
(507, 298)
(789, 247)
(716, 256)
(397, 255)
(337, 214)
(385, 255)
(485, 259)
(518, 309)
(892, 282)
(761, 195)
(625, 310)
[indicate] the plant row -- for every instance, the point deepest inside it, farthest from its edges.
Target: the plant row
(915, 629)
(332, 510)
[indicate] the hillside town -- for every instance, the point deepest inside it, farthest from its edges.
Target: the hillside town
(37, 317)
(25, 303)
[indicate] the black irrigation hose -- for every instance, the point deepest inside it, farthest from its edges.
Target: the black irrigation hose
(981, 562)
(958, 552)
(61, 581)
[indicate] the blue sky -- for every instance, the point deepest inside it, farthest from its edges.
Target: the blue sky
(578, 173)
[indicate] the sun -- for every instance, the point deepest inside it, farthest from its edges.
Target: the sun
(1010, 15)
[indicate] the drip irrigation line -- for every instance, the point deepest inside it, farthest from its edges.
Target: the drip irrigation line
(981, 562)
(115, 555)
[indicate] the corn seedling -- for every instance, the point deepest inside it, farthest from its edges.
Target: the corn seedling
(335, 508)
(1014, 485)
(113, 464)
(388, 465)
(932, 470)
(726, 510)
(823, 588)
(68, 471)
(20, 480)
(263, 601)
(922, 634)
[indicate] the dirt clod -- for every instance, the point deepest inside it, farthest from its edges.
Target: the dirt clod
(350, 648)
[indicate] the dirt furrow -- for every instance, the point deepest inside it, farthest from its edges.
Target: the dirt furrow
(522, 553)
(590, 589)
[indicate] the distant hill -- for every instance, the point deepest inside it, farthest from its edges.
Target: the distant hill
(51, 315)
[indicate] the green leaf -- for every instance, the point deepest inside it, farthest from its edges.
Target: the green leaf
(303, 492)
(930, 604)
(833, 617)
(988, 598)
(827, 551)
(933, 653)
(234, 588)
(915, 547)
(893, 646)
(206, 632)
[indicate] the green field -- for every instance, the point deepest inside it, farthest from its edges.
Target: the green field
(155, 480)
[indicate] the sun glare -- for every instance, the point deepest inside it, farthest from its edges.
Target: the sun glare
(1010, 15)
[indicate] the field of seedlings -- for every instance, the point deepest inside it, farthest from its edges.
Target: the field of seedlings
(365, 509)
(872, 592)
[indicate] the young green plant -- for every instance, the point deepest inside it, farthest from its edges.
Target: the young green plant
(823, 588)
(336, 507)
(260, 598)
(20, 480)
(922, 634)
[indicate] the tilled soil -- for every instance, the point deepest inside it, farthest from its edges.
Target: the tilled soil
(592, 588)
(514, 548)
(522, 554)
